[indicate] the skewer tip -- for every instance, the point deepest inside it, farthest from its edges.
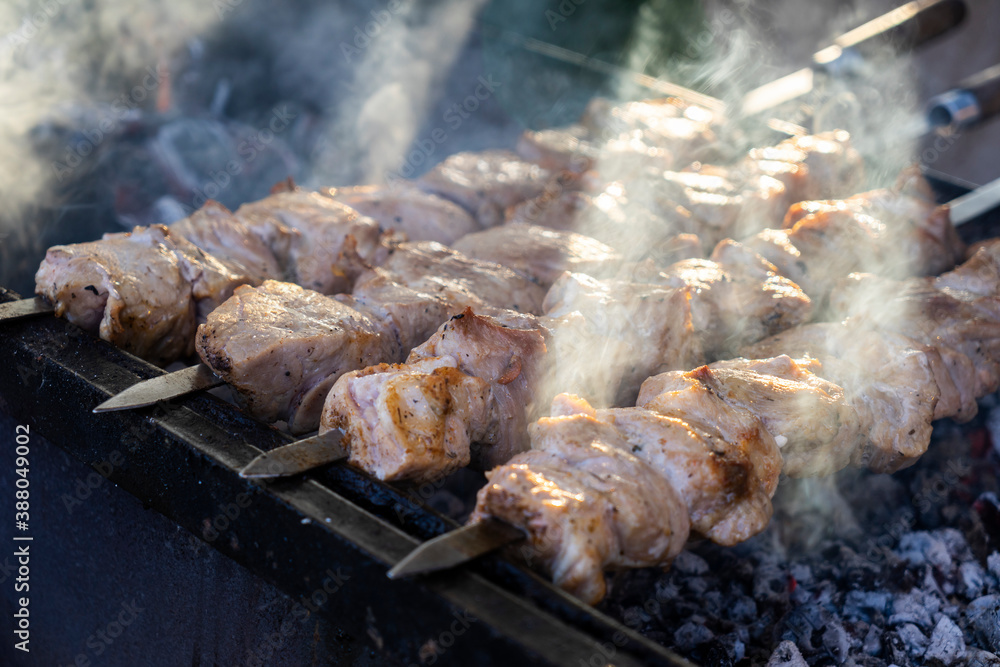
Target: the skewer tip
(456, 547)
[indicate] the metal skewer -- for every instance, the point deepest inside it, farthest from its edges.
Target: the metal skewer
(456, 547)
(973, 204)
(298, 457)
(163, 388)
(911, 25)
(24, 308)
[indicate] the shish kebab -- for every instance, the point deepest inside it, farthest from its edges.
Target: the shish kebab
(232, 343)
(361, 362)
(266, 395)
(453, 184)
(461, 385)
(702, 450)
(505, 180)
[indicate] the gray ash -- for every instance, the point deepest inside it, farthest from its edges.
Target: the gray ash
(858, 569)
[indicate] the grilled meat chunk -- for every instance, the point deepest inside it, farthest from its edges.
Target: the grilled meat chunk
(411, 421)
(808, 416)
(738, 301)
(323, 243)
(498, 356)
(282, 347)
(726, 485)
(586, 503)
(746, 450)
(404, 208)
(539, 253)
(832, 167)
(563, 149)
(887, 379)
(649, 329)
(485, 183)
(960, 326)
(461, 279)
(685, 130)
(141, 290)
(507, 351)
(214, 229)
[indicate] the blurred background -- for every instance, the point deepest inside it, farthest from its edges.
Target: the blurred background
(117, 113)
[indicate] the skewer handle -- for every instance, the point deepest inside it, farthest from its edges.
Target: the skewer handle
(971, 102)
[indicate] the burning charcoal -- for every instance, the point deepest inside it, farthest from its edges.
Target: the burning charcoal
(713, 603)
(742, 609)
(804, 624)
(690, 564)
(802, 573)
(836, 640)
(984, 617)
(993, 563)
(691, 635)
(914, 640)
(921, 547)
(971, 579)
(914, 608)
(953, 538)
(947, 643)
(859, 604)
(988, 508)
(770, 581)
(872, 644)
(760, 626)
(716, 654)
(733, 645)
(978, 658)
(895, 650)
(666, 589)
(787, 655)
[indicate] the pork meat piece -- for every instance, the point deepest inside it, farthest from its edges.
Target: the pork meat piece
(670, 123)
(330, 243)
(143, 290)
(214, 229)
(962, 327)
(744, 448)
(539, 253)
(978, 275)
(887, 379)
(586, 503)
(486, 183)
(813, 424)
(562, 149)
(733, 304)
(282, 347)
(727, 488)
(506, 350)
(402, 207)
(607, 216)
(463, 280)
(919, 236)
(834, 167)
(411, 315)
(650, 327)
(499, 356)
(413, 421)
(130, 289)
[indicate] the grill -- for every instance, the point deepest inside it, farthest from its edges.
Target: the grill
(323, 541)
(180, 459)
